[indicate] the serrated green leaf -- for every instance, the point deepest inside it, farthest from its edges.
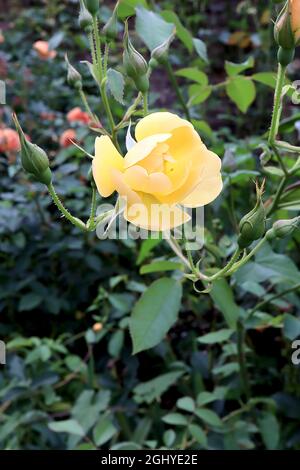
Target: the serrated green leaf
(291, 328)
(201, 49)
(154, 313)
(198, 94)
(29, 301)
(116, 84)
(198, 434)
(234, 69)
(216, 337)
(151, 28)
(70, 426)
(159, 266)
(176, 419)
(209, 417)
(223, 298)
(194, 74)
(186, 404)
(242, 91)
(103, 431)
(266, 78)
(270, 430)
(182, 33)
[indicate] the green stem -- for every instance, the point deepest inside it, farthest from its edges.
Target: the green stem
(145, 101)
(105, 61)
(280, 160)
(74, 220)
(287, 146)
(130, 111)
(98, 49)
(101, 78)
(180, 97)
(242, 360)
(270, 299)
(92, 116)
(278, 195)
(277, 104)
(91, 222)
(246, 258)
(228, 266)
(92, 47)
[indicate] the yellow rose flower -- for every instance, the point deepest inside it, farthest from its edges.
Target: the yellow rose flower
(169, 165)
(295, 18)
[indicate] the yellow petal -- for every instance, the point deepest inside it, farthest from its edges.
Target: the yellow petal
(151, 215)
(106, 159)
(142, 149)
(192, 153)
(210, 184)
(123, 189)
(138, 179)
(157, 123)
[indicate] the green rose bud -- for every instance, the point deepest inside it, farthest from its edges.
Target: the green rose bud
(283, 32)
(161, 52)
(85, 18)
(92, 6)
(110, 29)
(283, 228)
(74, 78)
(285, 35)
(253, 225)
(135, 65)
(34, 159)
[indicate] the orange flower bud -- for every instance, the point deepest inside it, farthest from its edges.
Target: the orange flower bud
(43, 51)
(67, 137)
(9, 140)
(97, 327)
(77, 115)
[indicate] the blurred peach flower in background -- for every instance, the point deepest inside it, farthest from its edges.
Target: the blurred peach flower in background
(9, 140)
(67, 137)
(43, 51)
(77, 115)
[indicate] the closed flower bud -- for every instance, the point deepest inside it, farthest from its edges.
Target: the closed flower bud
(110, 29)
(253, 225)
(92, 6)
(85, 18)
(135, 65)
(74, 78)
(161, 52)
(283, 29)
(283, 228)
(34, 159)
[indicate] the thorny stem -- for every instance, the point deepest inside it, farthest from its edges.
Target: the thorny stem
(74, 220)
(273, 297)
(145, 101)
(130, 111)
(92, 116)
(277, 104)
(91, 222)
(277, 196)
(99, 69)
(242, 359)
(246, 258)
(177, 89)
